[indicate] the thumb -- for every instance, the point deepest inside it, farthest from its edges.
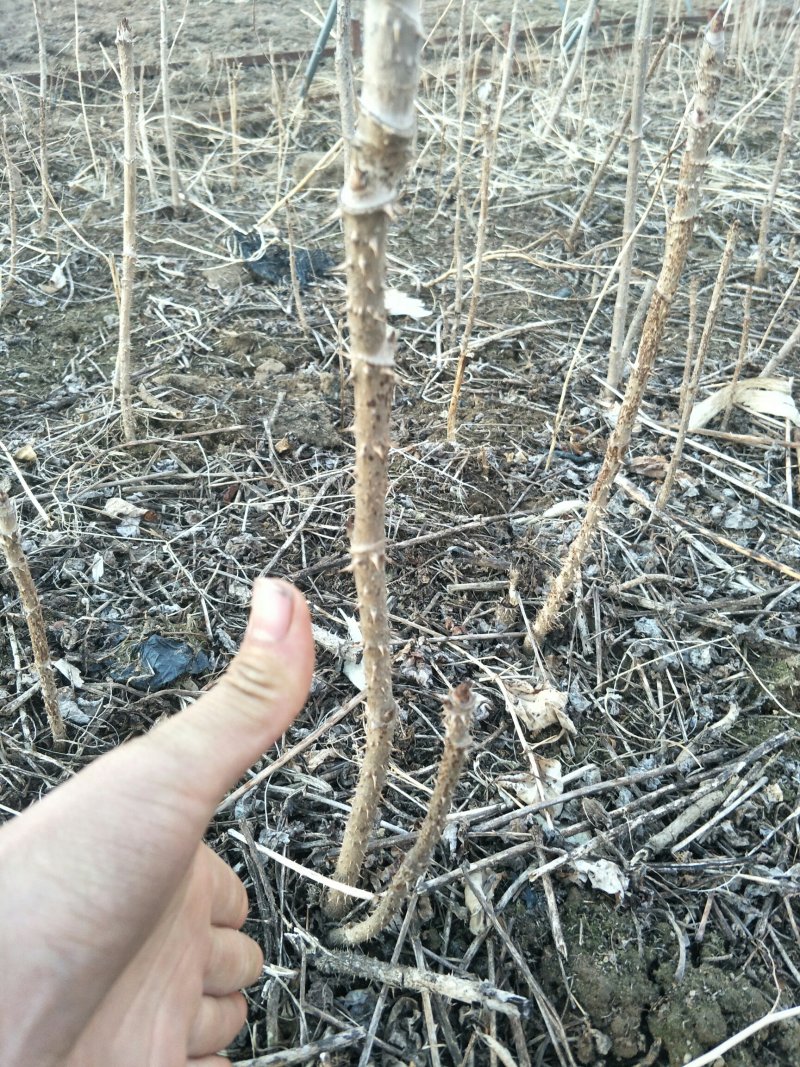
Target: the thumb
(256, 699)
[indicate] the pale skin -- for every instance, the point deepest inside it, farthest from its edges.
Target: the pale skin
(120, 941)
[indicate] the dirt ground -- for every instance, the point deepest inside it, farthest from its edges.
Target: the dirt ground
(643, 897)
(208, 29)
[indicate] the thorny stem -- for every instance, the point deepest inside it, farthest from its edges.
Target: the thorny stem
(127, 85)
(783, 147)
(14, 183)
(44, 170)
(571, 237)
(21, 573)
(699, 363)
(344, 74)
(644, 30)
(489, 149)
(679, 235)
(459, 709)
(379, 153)
(169, 141)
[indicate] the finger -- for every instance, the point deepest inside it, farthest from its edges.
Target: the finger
(229, 903)
(216, 1024)
(234, 961)
(215, 740)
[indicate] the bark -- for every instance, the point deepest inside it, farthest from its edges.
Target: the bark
(679, 235)
(380, 151)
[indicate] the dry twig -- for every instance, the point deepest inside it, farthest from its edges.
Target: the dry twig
(21, 573)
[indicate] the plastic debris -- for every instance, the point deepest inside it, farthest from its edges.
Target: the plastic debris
(161, 661)
(270, 262)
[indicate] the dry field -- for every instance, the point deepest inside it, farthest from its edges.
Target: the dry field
(639, 856)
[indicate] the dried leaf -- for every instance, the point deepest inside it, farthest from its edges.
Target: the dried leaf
(347, 651)
(484, 91)
(71, 711)
(129, 527)
(759, 396)
(478, 919)
(654, 467)
(26, 454)
(117, 508)
(56, 282)
(533, 789)
(399, 303)
(355, 673)
(158, 406)
(563, 508)
(603, 875)
(538, 708)
(318, 757)
(70, 672)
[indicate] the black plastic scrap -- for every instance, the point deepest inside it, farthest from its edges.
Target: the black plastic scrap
(271, 263)
(162, 660)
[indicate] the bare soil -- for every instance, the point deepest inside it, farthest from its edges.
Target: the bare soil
(678, 655)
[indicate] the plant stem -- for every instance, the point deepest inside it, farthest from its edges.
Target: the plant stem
(21, 573)
(489, 149)
(84, 113)
(127, 85)
(699, 363)
(624, 122)
(459, 709)
(14, 184)
(344, 74)
(783, 148)
(644, 30)
(679, 235)
(44, 170)
(380, 151)
(169, 141)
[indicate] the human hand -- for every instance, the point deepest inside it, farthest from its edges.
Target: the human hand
(119, 929)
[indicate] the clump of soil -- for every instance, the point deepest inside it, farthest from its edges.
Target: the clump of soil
(635, 988)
